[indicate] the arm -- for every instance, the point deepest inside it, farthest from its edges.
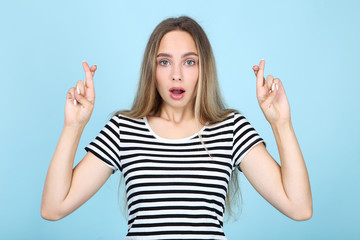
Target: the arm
(287, 187)
(65, 188)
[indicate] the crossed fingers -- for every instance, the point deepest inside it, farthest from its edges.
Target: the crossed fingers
(270, 83)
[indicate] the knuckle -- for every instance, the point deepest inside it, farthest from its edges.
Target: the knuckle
(79, 83)
(70, 91)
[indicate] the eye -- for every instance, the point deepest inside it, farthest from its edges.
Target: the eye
(164, 62)
(190, 62)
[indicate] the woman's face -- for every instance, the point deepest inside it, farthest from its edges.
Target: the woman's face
(177, 70)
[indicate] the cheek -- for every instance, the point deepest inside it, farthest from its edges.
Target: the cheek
(193, 72)
(161, 74)
(161, 80)
(193, 75)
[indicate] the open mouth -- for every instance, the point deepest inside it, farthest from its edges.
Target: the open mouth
(177, 93)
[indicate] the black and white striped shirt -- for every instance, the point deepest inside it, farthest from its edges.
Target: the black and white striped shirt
(175, 189)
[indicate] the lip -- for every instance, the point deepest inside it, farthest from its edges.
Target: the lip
(176, 88)
(177, 96)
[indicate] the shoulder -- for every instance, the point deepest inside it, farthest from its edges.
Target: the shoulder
(234, 118)
(124, 117)
(225, 118)
(124, 120)
(228, 122)
(239, 118)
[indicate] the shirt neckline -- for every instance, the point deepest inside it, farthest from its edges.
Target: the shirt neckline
(169, 139)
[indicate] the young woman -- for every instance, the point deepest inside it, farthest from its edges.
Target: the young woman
(178, 146)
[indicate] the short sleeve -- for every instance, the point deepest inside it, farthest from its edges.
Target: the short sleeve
(245, 138)
(106, 146)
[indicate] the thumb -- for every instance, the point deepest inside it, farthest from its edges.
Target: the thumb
(270, 98)
(70, 96)
(83, 101)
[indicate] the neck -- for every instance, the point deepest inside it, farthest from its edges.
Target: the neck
(176, 115)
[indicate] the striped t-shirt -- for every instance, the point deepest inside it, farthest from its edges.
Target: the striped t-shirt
(175, 188)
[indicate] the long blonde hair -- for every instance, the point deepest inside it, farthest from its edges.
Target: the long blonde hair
(209, 106)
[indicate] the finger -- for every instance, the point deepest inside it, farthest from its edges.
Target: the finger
(268, 101)
(70, 96)
(260, 74)
(83, 101)
(278, 84)
(80, 87)
(80, 94)
(89, 82)
(88, 75)
(269, 81)
(256, 70)
(93, 69)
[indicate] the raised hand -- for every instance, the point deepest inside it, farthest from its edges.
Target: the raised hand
(80, 99)
(271, 96)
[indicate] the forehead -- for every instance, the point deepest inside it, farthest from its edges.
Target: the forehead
(177, 42)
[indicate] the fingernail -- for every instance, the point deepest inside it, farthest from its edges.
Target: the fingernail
(77, 89)
(277, 87)
(273, 87)
(74, 101)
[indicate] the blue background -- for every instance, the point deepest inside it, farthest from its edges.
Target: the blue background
(312, 46)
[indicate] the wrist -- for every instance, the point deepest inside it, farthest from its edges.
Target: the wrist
(74, 127)
(72, 133)
(281, 125)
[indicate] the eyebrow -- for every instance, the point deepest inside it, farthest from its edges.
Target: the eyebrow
(182, 56)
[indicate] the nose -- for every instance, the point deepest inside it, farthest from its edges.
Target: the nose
(177, 73)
